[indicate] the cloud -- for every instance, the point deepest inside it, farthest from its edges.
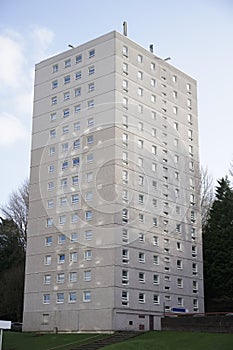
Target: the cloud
(42, 38)
(11, 129)
(11, 59)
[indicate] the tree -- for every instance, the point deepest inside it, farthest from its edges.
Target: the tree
(17, 209)
(12, 257)
(207, 195)
(217, 249)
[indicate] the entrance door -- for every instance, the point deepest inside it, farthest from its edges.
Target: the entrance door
(151, 322)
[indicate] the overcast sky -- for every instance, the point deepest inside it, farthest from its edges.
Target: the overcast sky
(197, 35)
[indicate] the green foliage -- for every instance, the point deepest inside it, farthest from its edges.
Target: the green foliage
(28, 341)
(218, 248)
(12, 256)
(150, 340)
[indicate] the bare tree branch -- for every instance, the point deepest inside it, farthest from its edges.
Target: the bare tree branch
(207, 194)
(17, 209)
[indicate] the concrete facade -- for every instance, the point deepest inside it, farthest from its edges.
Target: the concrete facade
(114, 236)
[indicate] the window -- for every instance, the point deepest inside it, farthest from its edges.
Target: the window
(60, 298)
(155, 259)
(73, 256)
(141, 217)
(54, 100)
(153, 98)
(47, 260)
(190, 135)
(125, 196)
(155, 240)
(61, 278)
(75, 180)
(140, 75)
(49, 222)
(89, 177)
(124, 298)
(90, 122)
(155, 222)
(74, 217)
(55, 68)
(78, 75)
(178, 228)
(155, 279)
(78, 58)
(125, 216)
(140, 92)
(77, 92)
(179, 264)
(53, 117)
(47, 279)
(124, 157)
(179, 282)
(67, 79)
(77, 109)
(141, 198)
(125, 277)
(141, 298)
(54, 84)
(76, 144)
(88, 235)
(125, 68)
(52, 133)
(125, 139)
(156, 299)
(141, 277)
(63, 201)
(46, 298)
(48, 241)
(91, 70)
(125, 176)
(125, 236)
(125, 256)
(140, 162)
(74, 198)
(61, 258)
(66, 113)
(154, 149)
(174, 78)
(140, 126)
(91, 87)
(90, 104)
(178, 246)
(88, 254)
(73, 276)
(125, 121)
(90, 139)
(87, 275)
(125, 85)
(125, 102)
(89, 196)
(141, 180)
(189, 103)
(73, 237)
(180, 301)
(86, 296)
(64, 165)
(152, 66)
(50, 203)
(141, 237)
(65, 129)
(141, 257)
(140, 144)
(125, 51)
(174, 94)
(76, 161)
(67, 63)
(155, 202)
(61, 239)
(77, 126)
(140, 58)
(91, 53)
(153, 82)
(64, 182)
(89, 158)
(72, 297)
(88, 215)
(175, 110)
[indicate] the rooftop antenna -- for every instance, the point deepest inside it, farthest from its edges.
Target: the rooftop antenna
(151, 47)
(167, 59)
(125, 30)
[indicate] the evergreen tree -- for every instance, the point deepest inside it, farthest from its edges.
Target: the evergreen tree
(12, 256)
(218, 250)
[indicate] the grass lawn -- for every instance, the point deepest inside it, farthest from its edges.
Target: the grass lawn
(176, 341)
(32, 341)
